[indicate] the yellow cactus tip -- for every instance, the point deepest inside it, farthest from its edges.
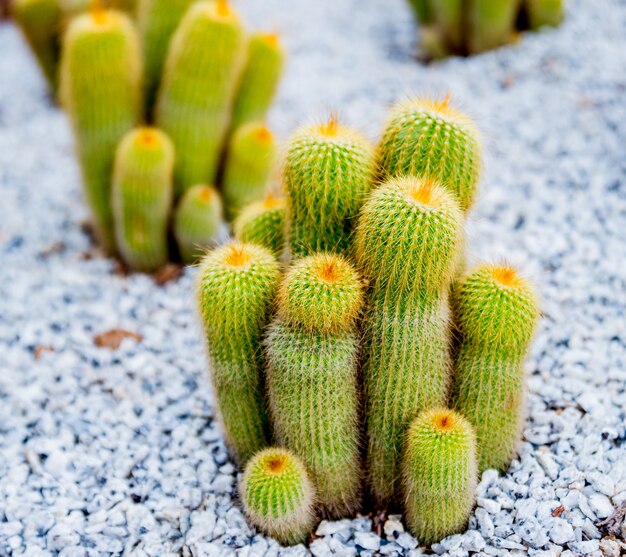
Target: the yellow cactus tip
(206, 194)
(444, 420)
(330, 128)
(98, 12)
(148, 137)
(422, 192)
(328, 270)
(223, 8)
(272, 39)
(238, 256)
(263, 135)
(275, 464)
(506, 275)
(271, 201)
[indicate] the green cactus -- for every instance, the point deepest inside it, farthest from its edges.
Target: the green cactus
(278, 497)
(39, 21)
(197, 221)
(263, 222)
(196, 94)
(327, 175)
(311, 350)
(496, 312)
(449, 17)
(142, 198)
(407, 238)
(100, 89)
(439, 474)
(491, 24)
(259, 80)
(157, 21)
(250, 161)
(431, 138)
(544, 12)
(236, 286)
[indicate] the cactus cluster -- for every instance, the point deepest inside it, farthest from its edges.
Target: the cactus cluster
(381, 363)
(470, 27)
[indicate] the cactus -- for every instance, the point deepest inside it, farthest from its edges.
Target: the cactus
(263, 223)
(311, 352)
(491, 24)
(496, 311)
(327, 176)
(259, 80)
(157, 21)
(236, 285)
(406, 241)
(197, 88)
(142, 198)
(449, 15)
(278, 496)
(431, 138)
(439, 474)
(197, 221)
(544, 12)
(100, 89)
(248, 167)
(39, 21)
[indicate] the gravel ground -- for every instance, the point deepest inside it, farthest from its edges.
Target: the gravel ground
(115, 451)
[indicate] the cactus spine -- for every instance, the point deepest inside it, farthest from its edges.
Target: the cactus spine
(263, 223)
(544, 12)
(259, 80)
(142, 197)
(249, 164)
(197, 221)
(100, 89)
(197, 88)
(491, 24)
(439, 474)
(327, 176)
(236, 286)
(496, 312)
(407, 239)
(312, 380)
(433, 139)
(278, 496)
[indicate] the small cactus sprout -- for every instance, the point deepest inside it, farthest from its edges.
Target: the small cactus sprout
(434, 139)
(195, 98)
(496, 311)
(263, 222)
(491, 24)
(259, 80)
(544, 12)
(197, 221)
(39, 21)
(100, 89)
(327, 175)
(278, 497)
(236, 286)
(407, 240)
(157, 21)
(439, 474)
(142, 198)
(250, 162)
(311, 350)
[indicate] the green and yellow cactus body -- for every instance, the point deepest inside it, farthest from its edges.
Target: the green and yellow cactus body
(544, 12)
(263, 222)
(236, 287)
(142, 198)
(491, 24)
(496, 312)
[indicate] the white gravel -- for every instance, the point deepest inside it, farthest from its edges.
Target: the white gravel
(108, 452)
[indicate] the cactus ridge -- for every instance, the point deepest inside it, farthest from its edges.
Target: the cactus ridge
(278, 496)
(439, 474)
(236, 285)
(496, 313)
(263, 222)
(327, 175)
(428, 138)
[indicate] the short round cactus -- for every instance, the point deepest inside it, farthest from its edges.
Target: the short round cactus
(263, 222)
(278, 497)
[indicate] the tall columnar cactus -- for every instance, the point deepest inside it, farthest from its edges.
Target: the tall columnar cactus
(327, 176)
(197, 222)
(250, 161)
(236, 286)
(196, 95)
(259, 80)
(142, 197)
(428, 138)
(449, 15)
(39, 21)
(439, 474)
(496, 312)
(312, 376)
(278, 496)
(157, 21)
(100, 89)
(544, 12)
(491, 24)
(263, 222)
(407, 239)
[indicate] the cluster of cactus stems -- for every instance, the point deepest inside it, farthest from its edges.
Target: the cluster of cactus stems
(345, 318)
(465, 27)
(167, 100)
